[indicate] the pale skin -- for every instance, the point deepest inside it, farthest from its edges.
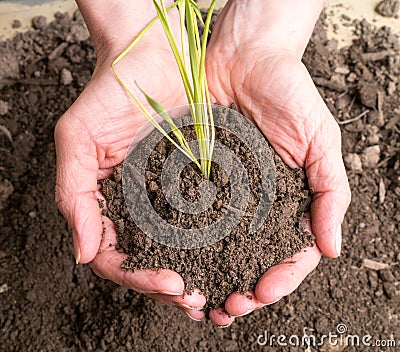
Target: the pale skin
(254, 61)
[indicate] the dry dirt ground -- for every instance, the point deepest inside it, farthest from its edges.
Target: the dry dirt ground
(50, 304)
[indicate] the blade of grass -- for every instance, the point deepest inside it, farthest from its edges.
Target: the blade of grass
(192, 92)
(163, 16)
(203, 76)
(181, 9)
(139, 37)
(194, 65)
(197, 10)
(194, 81)
(159, 109)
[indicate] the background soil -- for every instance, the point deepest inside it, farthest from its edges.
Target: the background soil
(49, 304)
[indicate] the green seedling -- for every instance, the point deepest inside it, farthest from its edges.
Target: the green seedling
(192, 71)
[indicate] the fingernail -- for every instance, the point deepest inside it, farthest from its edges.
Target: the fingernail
(248, 312)
(339, 240)
(225, 326)
(182, 305)
(77, 249)
(192, 317)
(277, 300)
(169, 293)
(189, 307)
(77, 257)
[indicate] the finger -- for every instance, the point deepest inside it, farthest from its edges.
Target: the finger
(76, 185)
(220, 317)
(242, 304)
(107, 264)
(104, 173)
(193, 301)
(331, 192)
(191, 308)
(196, 315)
(282, 279)
(311, 139)
(324, 167)
(305, 134)
(239, 305)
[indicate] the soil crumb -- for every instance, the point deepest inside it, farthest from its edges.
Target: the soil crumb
(388, 8)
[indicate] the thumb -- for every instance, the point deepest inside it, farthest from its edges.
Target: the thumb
(328, 180)
(76, 185)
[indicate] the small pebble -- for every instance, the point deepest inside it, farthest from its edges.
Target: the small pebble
(4, 107)
(370, 156)
(351, 77)
(353, 162)
(39, 22)
(32, 214)
(3, 288)
(16, 24)
(153, 186)
(342, 70)
(66, 77)
(388, 8)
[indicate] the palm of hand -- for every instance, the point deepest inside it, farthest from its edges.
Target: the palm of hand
(279, 95)
(91, 138)
(111, 117)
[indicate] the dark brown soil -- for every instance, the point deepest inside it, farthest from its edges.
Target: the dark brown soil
(236, 262)
(47, 303)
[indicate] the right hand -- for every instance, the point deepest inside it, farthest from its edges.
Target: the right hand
(262, 73)
(93, 136)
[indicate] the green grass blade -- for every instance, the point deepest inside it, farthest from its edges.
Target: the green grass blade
(192, 71)
(207, 114)
(193, 49)
(159, 109)
(197, 11)
(163, 16)
(181, 9)
(205, 39)
(139, 37)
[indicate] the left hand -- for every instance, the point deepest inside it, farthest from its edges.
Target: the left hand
(255, 62)
(95, 133)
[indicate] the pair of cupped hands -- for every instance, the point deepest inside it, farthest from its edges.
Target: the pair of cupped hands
(254, 61)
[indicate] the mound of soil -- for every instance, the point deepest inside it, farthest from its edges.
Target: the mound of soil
(241, 257)
(47, 303)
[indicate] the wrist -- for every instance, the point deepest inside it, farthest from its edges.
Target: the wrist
(114, 24)
(283, 25)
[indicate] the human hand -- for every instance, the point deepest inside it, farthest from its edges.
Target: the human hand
(254, 61)
(94, 134)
